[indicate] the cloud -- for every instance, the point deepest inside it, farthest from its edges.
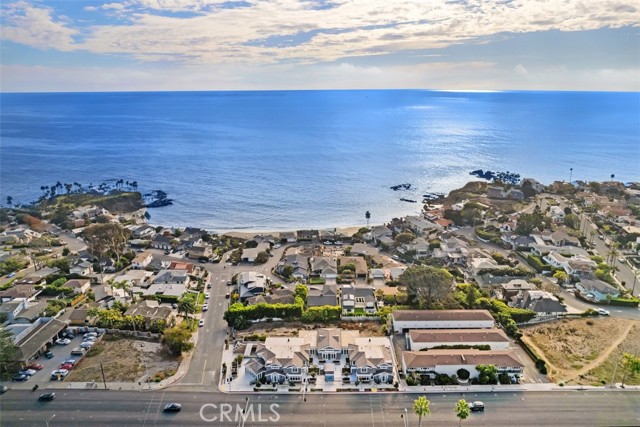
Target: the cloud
(521, 70)
(35, 27)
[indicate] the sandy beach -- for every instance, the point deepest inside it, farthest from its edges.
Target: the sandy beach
(347, 231)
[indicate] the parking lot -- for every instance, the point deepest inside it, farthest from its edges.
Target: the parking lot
(43, 376)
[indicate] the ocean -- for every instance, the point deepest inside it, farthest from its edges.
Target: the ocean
(284, 160)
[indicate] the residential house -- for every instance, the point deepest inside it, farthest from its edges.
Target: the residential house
(278, 360)
(446, 224)
(200, 250)
(361, 265)
(545, 304)
(79, 286)
(377, 274)
(142, 260)
(179, 265)
(324, 267)
(152, 312)
(83, 268)
(288, 236)
(358, 300)
(17, 292)
(596, 289)
(404, 320)
(420, 339)
(160, 241)
(386, 241)
(419, 247)
(250, 254)
(371, 360)
(448, 362)
(515, 241)
(32, 311)
(12, 308)
(364, 249)
(561, 238)
(513, 287)
(452, 251)
(479, 264)
(299, 263)
(307, 235)
(377, 233)
(278, 296)
(251, 284)
(495, 193)
(557, 214)
(21, 235)
(144, 231)
(179, 277)
(88, 212)
(420, 225)
(320, 295)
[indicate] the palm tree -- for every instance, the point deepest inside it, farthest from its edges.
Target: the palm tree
(421, 408)
(186, 306)
(9, 200)
(462, 410)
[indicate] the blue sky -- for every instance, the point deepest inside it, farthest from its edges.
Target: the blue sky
(93, 45)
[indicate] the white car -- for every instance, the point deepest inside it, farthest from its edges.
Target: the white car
(90, 334)
(63, 372)
(207, 295)
(277, 246)
(205, 307)
(63, 341)
(89, 339)
(603, 312)
(87, 345)
(201, 323)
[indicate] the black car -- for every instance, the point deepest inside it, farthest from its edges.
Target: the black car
(172, 407)
(46, 397)
(20, 377)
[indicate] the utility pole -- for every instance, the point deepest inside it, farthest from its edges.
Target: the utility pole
(104, 380)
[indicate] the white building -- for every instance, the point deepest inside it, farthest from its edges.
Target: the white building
(448, 362)
(142, 260)
(405, 320)
(420, 339)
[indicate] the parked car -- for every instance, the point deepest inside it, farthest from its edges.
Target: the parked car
(71, 361)
(90, 334)
(87, 345)
(78, 351)
(10, 275)
(205, 307)
(89, 339)
(63, 341)
(3, 389)
(28, 372)
(208, 285)
(207, 295)
(49, 355)
(227, 295)
(201, 323)
(476, 406)
(172, 407)
(66, 366)
(277, 246)
(603, 312)
(36, 366)
(20, 377)
(69, 335)
(229, 283)
(46, 397)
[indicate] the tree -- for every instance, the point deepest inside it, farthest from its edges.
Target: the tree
(572, 221)
(177, 340)
(426, 284)
(287, 271)
(9, 200)
(421, 408)
(404, 238)
(106, 238)
(527, 222)
(8, 353)
(471, 296)
(261, 258)
(186, 306)
(463, 374)
(462, 410)
(561, 276)
(488, 374)
(630, 365)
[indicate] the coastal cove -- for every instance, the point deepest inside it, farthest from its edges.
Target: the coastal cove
(309, 159)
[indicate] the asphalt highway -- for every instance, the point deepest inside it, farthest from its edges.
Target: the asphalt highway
(123, 408)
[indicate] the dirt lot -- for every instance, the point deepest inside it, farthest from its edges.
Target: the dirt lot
(369, 329)
(123, 360)
(583, 351)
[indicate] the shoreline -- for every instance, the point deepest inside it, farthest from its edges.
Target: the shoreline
(347, 231)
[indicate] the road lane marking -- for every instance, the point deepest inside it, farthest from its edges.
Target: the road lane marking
(203, 368)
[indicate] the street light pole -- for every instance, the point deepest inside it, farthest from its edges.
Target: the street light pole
(405, 418)
(49, 419)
